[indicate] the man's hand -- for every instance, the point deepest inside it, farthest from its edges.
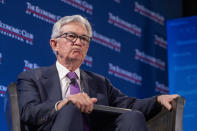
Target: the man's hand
(166, 99)
(81, 100)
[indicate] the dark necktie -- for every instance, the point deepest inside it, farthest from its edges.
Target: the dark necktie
(74, 89)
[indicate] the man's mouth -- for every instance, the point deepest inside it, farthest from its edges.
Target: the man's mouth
(76, 50)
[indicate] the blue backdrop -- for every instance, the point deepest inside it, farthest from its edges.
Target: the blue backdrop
(182, 40)
(128, 46)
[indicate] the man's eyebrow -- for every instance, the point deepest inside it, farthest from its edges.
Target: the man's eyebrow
(77, 34)
(69, 32)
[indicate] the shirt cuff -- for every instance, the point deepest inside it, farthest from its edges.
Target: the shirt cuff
(56, 105)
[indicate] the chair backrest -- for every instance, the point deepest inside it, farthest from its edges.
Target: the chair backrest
(14, 109)
(169, 120)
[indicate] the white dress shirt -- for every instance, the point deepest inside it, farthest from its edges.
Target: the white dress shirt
(64, 80)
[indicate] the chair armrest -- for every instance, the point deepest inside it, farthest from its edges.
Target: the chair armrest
(109, 109)
(168, 120)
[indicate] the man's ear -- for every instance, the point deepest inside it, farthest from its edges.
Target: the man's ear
(53, 44)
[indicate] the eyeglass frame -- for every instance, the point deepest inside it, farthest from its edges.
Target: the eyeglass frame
(77, 36)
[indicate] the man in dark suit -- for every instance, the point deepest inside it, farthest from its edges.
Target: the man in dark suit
(61, 97)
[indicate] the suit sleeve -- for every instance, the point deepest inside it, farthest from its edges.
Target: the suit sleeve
(148, 106)
(34, 110)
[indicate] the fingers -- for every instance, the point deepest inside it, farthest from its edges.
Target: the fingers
(60, 104)
(165, 100)
(83, 102)
(175, 96)
(88, 104)
(167, 105)
(94, 100)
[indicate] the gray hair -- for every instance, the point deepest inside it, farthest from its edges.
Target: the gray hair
(67, 19)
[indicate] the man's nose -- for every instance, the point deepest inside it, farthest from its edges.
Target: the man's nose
(77, 41)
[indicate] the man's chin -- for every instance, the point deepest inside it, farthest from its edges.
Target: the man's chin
(75, 58)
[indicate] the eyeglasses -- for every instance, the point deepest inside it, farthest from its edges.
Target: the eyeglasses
(73, 37)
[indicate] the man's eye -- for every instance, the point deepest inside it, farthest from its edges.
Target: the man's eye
(71, 36)
(84, 39)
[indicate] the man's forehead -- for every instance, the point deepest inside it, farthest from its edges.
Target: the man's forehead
(73, 24)
(75, 27)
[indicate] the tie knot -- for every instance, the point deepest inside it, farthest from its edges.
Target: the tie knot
(71, 75)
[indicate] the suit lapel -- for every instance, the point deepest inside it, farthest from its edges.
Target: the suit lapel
(84, 82)
(88, 84)
(51, 83)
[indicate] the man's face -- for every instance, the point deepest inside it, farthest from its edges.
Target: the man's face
(68, 51)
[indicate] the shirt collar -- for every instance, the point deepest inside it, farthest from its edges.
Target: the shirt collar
(63, 71)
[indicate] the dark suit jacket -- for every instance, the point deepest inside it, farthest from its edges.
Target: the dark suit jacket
(39, 90)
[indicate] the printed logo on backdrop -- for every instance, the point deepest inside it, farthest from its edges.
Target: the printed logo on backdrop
(81, 5)
(3, 90)
(150, 60)
(41, 14)
(124, 74)
(126, 26)
(149, 14)
(161, 88)
(107, 42)
(88, 61)
(160, 41)
(2, 1)
(29, 66)
(15, 33)
(0, 57)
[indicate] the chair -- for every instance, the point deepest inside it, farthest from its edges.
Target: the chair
(169, 120)
(164, 121)
(13, 109)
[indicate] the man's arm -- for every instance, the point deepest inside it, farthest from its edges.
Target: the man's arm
(34, 109)
(148, 106)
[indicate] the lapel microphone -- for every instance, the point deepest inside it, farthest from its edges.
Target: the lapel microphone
(72, 81)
